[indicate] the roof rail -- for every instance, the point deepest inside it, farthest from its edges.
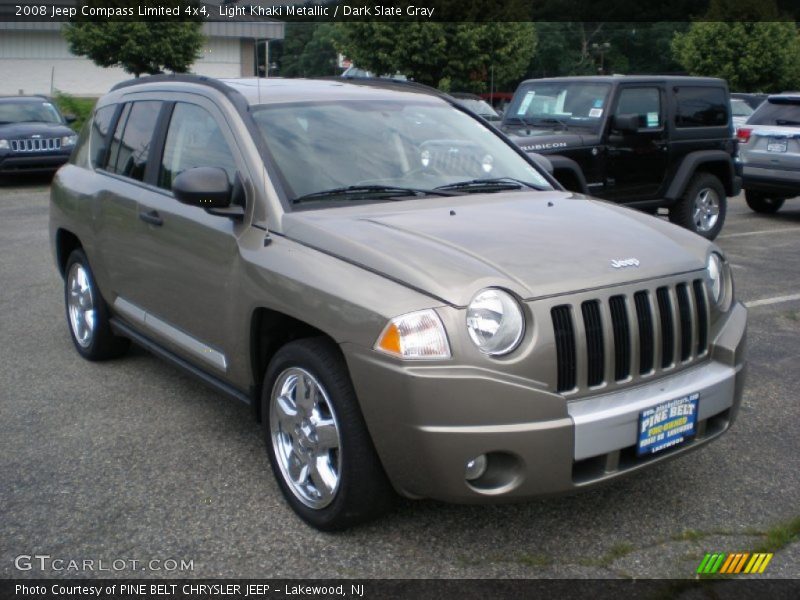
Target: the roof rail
(232, 94)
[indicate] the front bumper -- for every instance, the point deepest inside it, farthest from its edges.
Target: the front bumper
(32, 162)
(428, 421)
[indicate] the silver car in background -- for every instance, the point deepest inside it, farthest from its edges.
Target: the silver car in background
(769, 152)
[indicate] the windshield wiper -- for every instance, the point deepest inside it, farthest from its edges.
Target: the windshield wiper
(496, 184)
(361, 190)
(515, 119)
(786, 122)
(550, 121)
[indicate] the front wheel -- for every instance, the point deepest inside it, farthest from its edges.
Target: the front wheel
(702, 207)
(761, 204)
(318, 444)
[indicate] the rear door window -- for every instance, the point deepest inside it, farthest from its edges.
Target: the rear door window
(130, 146)
(781, 112)
(701, 107)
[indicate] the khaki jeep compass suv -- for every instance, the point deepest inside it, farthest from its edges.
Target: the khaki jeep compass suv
(407, 301)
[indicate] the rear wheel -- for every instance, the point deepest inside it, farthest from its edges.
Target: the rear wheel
(760, 203)
(318, 444)
(702, 207)
(87, 313)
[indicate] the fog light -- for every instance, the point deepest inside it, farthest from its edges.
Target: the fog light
(475, 468)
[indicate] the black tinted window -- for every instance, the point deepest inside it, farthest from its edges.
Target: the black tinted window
(99, 134)
(776, 113)
(194, 139)
(642, 102)
(701, 107)
(130, 150)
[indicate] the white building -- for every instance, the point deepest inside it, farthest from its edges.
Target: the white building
(35, 57)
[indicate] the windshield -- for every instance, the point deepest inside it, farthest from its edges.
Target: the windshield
(740, 108)
(26, 112)
(421, 145)
(559, 105)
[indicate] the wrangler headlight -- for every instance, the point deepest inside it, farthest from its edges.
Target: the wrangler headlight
(418, 335)
(68, 140)
(3, 144)
(495, 322)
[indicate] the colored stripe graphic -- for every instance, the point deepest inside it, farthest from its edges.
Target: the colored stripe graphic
(730, 564)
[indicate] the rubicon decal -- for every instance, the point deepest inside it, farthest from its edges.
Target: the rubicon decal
(735, 563)
(547, 146)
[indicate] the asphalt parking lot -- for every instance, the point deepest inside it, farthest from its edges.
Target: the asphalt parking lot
(133, 460)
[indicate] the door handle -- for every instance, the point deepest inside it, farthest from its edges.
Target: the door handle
(152, 217)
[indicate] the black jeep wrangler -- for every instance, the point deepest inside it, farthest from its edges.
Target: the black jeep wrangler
(644, 141)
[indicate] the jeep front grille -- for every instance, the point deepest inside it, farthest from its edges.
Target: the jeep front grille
(35, 145)
(624, 337)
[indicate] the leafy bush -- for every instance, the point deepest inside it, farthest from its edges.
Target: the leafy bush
(80, 108)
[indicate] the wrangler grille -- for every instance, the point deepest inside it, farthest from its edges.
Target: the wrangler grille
(627, 336)
(35, 145)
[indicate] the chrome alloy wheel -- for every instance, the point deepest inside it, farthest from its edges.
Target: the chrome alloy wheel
(706, 210)
(80, 305)
(305, 437)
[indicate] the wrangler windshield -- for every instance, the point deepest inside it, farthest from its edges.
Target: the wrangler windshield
(354, 149)
(559, 105)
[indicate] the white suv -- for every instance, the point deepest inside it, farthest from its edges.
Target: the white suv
(769, 150)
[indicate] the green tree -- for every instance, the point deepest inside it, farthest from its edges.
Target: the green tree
(755, 50)
(451, 56)
(137, 47)
(568, 48)
(307, 50)
(751, 56)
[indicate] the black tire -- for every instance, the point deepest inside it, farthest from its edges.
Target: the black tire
(100, 343)
(683, 212)
(760, 203)
(363, 491)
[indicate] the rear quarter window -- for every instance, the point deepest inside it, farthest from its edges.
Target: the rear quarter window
(97, 146)
(780, 112)
(701, 107)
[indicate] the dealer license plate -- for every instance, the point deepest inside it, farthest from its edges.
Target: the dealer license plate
(776, 145)
(667, 424)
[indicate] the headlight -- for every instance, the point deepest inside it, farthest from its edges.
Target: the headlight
(68, 140)
(3, 144)
(717, 284)
(495, 322)
(417, 335)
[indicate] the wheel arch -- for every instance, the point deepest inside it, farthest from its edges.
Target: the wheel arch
(65, 243)
(270, 330)
(568, 173)
(714, 162)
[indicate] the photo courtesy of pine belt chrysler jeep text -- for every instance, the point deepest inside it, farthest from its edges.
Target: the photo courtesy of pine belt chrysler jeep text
(408, 302)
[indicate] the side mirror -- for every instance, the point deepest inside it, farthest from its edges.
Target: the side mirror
(626, 123)
(70, 119)
(204, 187)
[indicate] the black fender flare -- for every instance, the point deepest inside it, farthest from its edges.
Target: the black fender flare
(564, 164)
(690, 164)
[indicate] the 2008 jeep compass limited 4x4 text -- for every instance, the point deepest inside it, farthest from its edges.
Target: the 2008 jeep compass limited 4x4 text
(409, 304)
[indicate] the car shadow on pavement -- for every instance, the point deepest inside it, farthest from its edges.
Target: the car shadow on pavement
(26, 180)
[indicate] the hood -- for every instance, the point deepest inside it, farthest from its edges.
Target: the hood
(15, 131)
(532, 243)
(546, 141)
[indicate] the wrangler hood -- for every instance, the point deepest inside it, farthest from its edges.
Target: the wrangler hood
(532, 243)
